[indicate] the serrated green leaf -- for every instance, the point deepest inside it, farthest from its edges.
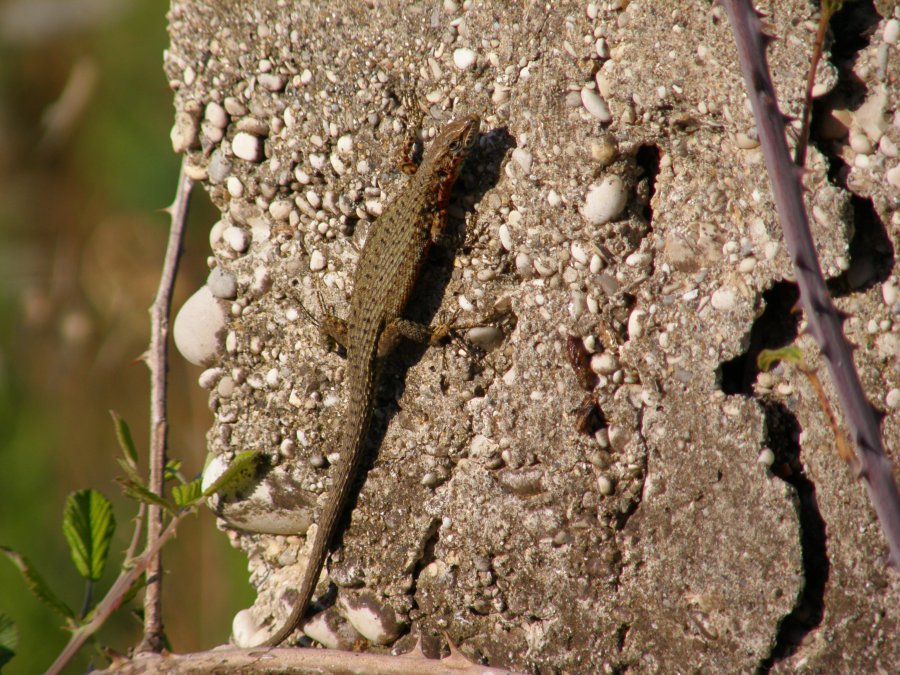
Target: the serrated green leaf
(126, 441)
(138, 491)
(89, 524)
(36, 583)
(769, 357)
(9, 639)
(172, 471)
(239, 472)
(187, 494)
(130, 471)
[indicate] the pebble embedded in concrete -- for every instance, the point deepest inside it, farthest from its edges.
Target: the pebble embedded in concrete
(464, 58)
(246, 146)
(595, 105)
(198, 327)
(222, 284)
(605, 201)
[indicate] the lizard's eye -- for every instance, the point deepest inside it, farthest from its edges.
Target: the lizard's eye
(456, 145)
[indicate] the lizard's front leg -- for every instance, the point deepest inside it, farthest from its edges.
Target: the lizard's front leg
(417, 332)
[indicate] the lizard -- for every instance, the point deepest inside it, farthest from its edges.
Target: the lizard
(388, 267)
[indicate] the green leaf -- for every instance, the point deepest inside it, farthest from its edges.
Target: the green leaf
(130, 471)
(172, 471)
(36, 583)
(9, 639)
(138, 491)
(126, 442)
(769, 357)
(89, 524)
(187, 494)
(238, 474)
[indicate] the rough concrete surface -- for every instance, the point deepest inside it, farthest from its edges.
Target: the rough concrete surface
(709, 524)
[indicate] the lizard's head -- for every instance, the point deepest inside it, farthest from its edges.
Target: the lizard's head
(450, 147)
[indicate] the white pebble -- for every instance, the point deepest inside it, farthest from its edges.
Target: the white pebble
(523, 265)
(337, 164)
(272, 377)
(215, 114)
(505, 238)
(345, 144)
(225, 388)
(210, 377)
(638, 259)
(198, 327)
(235, 186)
(723, 299)
(246, 146)
(464, 58)
(605, 485)
(605, 201)
(636, 323)
(245, 631)
(522, 157)
(236, 238)
(553, 198)
(184, 132)
(579, 254)
(280, 209)
(860, 143)
(316, 261)
(892, 398)
(892, 32)
(595, 105)
(887, 147)
(271, 82)
(222, 284)
(215, 233)
(889, 293)
(766, 457)
(596, 264)
(745, 142)
(893, 177)
(604, 363)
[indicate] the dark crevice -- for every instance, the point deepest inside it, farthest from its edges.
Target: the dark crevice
(647, 159)
(426, 557)
(871, 257)
(775, 327)
(782, 434)
(871, 252)
(852, 28)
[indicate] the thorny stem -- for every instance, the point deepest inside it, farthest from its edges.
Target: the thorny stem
(136, 535)
(157, 361)
(823, 319)
(829, 7)
(303, 660)
(113, 598)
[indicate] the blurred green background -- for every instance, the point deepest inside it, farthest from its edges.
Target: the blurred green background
(85, 167)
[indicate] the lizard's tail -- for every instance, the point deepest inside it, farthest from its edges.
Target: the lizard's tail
(362, 375)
